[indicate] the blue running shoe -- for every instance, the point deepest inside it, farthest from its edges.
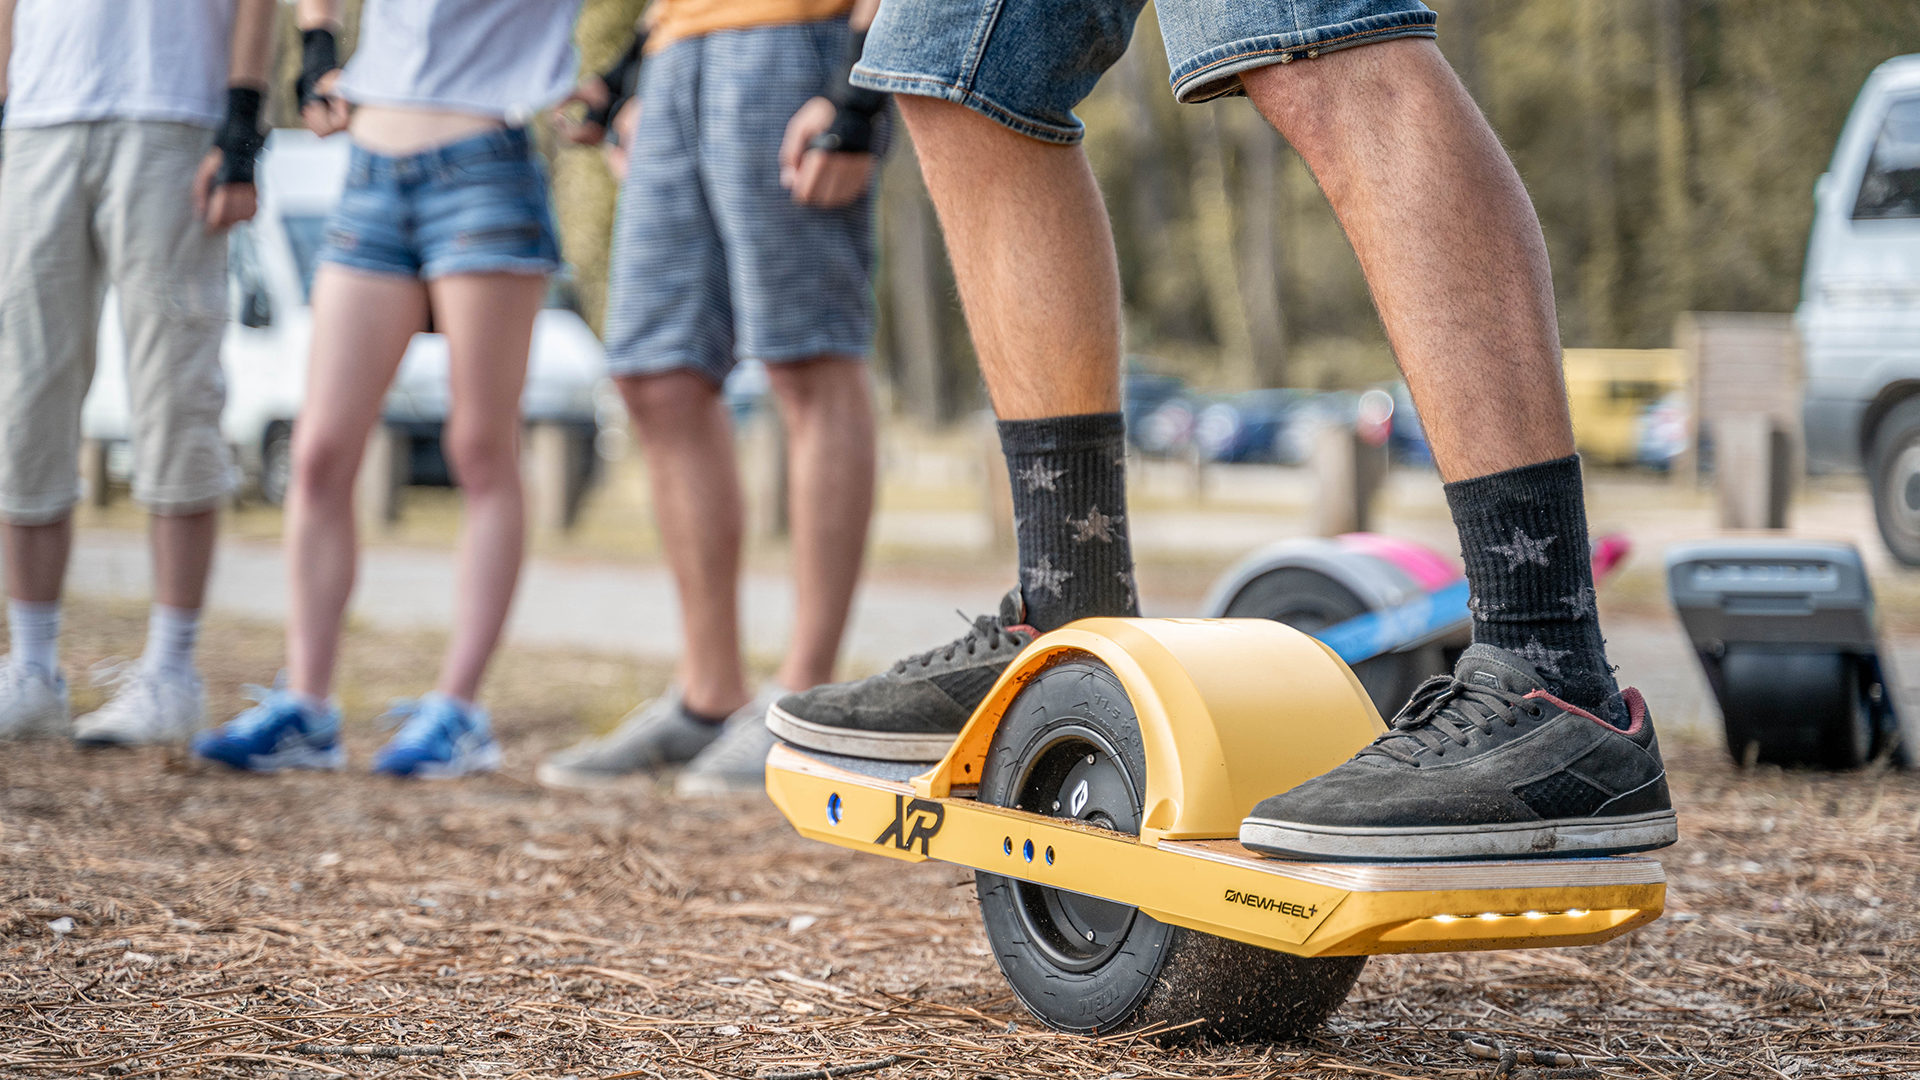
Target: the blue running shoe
(438, 739)
(278, 733)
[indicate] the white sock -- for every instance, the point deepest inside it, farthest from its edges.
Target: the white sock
(36, 634)
(171, 633)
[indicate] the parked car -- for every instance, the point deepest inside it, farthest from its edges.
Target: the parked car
(1859, 313)
(1662, 431)
(1143, 390)
(271, 266)
(1248, 427)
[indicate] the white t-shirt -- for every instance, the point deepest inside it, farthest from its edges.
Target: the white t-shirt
(76, 60)
(502, 58)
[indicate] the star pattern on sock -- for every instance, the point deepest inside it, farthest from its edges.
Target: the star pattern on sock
(1126, 583)
(1095, 526)
(1044, 576)
(1038, 477)
(1524, 549)
(1579, 602)
(1544, 660)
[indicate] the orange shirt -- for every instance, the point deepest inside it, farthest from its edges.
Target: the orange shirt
(671, 20)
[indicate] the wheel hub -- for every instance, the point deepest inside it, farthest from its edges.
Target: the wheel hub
(1077, 775)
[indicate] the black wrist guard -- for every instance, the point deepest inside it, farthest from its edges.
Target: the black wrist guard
(319, 54)
(855, 107)
(239, 140)
(622, 80)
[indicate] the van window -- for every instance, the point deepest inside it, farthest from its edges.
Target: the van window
(1892, 185)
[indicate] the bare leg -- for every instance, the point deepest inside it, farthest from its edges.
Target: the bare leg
(830, 457)
(37, 560)
(687, 438)
(488, 321)
(183, 557)
(1447, 238)
(1033, 253)
(361, 326)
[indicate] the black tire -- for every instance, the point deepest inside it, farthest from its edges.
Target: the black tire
(1796, 709)
(276, 463)
(1893, 466)
(1310, 601)
(1135, 972)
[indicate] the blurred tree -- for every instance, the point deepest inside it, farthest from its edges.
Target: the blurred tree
(1670, 145)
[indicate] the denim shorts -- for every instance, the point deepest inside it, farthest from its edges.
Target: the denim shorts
(475, 206)
(1027, 63)
(712, 261)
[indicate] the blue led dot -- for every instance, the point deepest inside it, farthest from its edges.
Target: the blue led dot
(833, 809)
(1006, 846)
(1026, 850)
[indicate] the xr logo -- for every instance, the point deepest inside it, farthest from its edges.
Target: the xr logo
(917, 819)
(1077, 801)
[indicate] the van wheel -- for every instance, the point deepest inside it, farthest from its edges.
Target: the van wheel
(276, 463)
(1894, 465)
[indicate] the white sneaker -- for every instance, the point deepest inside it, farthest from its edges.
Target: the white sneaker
(33, 703)
(147, 707)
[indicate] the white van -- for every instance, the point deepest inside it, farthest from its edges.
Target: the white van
(1859, 315)
(271, 267)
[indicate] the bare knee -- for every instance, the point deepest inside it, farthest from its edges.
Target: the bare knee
(324, 463)
(1321, 104)
(821, 389)
(483, 457)
(672, 407)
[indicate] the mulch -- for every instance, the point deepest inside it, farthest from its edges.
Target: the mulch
(162, 919)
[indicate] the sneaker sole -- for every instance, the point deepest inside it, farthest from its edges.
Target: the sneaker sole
(486, 759)
(1545, 839)
(873, 745)
(328, 760)
(560, 777)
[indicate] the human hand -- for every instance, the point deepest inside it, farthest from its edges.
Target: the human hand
(826, 179)
(593, 95)
(221, 206)
(326, 112)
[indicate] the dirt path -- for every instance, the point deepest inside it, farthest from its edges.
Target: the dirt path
(159, 919)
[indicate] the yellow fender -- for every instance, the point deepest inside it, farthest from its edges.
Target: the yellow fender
(1262, 707)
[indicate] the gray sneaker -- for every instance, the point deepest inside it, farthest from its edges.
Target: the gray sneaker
(913, 710)
(656, 733)
(1482, 764)
(736, 762)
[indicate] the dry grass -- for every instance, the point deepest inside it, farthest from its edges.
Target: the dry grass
(229, 925)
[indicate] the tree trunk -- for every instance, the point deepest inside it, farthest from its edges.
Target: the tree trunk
(1673, 135)
(1599, 271)
(914, 286)
(1213, 222)
(1259, 249)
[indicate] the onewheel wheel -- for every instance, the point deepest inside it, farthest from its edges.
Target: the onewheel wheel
(1069, 746)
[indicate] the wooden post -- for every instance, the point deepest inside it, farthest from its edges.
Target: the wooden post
(93, 472)
(1350, 471)
(383, 477)
(997, 487)
(556, 475)
(1753, 469)
(765, 456)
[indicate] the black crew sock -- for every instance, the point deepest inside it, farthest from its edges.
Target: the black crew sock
(1069, 516)
(1523, 534)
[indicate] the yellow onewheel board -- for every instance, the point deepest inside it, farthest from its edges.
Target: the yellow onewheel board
(1230, 711)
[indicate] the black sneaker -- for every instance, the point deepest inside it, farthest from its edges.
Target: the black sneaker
(1484, 764)
(913, 710)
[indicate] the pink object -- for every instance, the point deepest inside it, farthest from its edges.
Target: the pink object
(1609, 553)
(1428, 568)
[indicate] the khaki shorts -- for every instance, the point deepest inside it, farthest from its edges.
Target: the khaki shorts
(84, 206)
